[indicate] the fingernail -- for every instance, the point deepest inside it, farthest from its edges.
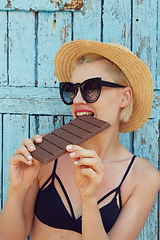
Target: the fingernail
(69, 147)
(76, 162)
(30, 162)
(32, 148)
(39, 139)
(30, 157)
(72, 154)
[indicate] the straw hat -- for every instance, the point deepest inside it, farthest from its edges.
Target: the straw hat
(135, 70)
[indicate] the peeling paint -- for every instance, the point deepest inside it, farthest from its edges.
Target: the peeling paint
(143, 141)
(54, 22)
(158, 56)
(139, 2)
(9, 5)
(64, 33)
(64, 5)
(124, 33)
(145, 43)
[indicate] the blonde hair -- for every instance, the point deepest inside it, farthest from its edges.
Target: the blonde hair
(118, 76)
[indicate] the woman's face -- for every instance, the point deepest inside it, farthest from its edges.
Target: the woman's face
(107, 107)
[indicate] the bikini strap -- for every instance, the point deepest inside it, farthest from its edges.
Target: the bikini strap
(117, 189)
(127, 171)
(118, 192)
(54, 175)
(66, 195)
(51, 176)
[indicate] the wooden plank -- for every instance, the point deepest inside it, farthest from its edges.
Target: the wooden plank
(1, 164)
(67, 119)
(116, 20)
(158, 46)
(41, 124)
(21, 49)
(146, 142)
(146, 145)
(144, 39)
(44, 124)
(54, 29)
(3, 3)
(156, 105)
(42, 5)
(87, 24)
(15, 129)
(28, 100)
(126, 140)
(3, 48)
(145, 34)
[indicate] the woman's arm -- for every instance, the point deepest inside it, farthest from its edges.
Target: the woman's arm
(88, 175)
(17, 214)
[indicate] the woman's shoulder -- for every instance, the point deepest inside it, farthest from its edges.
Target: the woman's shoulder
(146, 173)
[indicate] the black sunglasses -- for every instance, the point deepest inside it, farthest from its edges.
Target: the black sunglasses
(90, 89)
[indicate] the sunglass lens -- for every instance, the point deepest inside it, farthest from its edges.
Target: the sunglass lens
(67, 93)
(90, 91)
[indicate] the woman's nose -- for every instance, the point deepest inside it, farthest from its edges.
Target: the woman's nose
(78, 98)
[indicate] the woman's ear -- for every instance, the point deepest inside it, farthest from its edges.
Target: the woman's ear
(126, 97)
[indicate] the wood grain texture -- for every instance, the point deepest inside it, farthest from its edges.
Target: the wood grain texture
(42, 5)
(54, 29)
(117, 22)
(145, 34)
(30, 100)
(21, 49)
(15, 129)
(1, 163)
(3, 48)
(87, 24)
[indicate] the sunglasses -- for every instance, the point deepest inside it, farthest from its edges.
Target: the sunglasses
(90, 89)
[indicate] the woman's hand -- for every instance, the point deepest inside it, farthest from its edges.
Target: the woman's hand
(23, 168)
(88, 170)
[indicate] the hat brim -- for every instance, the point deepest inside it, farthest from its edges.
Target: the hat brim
(135, 70)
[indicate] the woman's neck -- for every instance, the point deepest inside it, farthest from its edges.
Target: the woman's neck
(105, 144)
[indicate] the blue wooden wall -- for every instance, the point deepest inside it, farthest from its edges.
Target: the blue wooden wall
(31, 32)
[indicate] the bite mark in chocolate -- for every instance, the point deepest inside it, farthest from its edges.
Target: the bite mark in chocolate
(75, 132)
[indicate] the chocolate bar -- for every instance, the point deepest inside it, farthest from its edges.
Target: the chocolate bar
(75, 132)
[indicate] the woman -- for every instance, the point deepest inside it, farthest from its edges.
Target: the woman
(99, 190)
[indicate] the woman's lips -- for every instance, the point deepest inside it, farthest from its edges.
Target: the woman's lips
(81, 112)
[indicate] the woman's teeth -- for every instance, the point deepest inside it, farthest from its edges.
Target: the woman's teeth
(84, 113)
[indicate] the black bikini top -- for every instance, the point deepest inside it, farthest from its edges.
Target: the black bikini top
(50, 209)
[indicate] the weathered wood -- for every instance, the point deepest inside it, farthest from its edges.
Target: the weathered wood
(126, 140)
(21, 49)
(117, 22)
(32, 101)
(146, 145)
(158, 46)
(144, 33)
(54, 29)
(41, 125)
(3, 48)
(1, 164)
(144, 39)
(15, 129)
(87, 24)
(42, 5)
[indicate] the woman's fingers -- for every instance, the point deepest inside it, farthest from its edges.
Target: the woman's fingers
(81, 156)
(29, 142)
(23, 153)
(92, 175)
(16, 159)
